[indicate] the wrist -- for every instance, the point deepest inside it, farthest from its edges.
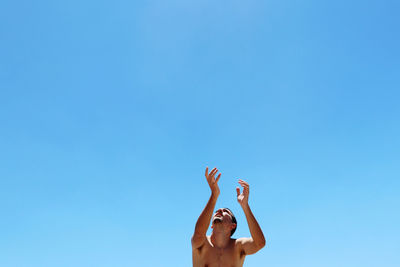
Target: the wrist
(245, 206)
(214, 195)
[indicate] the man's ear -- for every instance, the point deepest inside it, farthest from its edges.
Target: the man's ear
(212, 226)
(233, 225)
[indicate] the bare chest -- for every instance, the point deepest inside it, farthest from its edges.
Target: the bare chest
(209, 256)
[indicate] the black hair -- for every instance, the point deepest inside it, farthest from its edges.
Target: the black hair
(233, 221)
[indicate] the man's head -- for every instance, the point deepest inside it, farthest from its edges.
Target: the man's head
(224, 219)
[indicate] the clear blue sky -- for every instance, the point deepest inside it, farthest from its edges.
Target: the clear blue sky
(111, 110)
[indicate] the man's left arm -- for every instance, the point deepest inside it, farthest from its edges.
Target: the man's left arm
(257, 240)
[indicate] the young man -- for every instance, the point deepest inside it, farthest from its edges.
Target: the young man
(220, 249)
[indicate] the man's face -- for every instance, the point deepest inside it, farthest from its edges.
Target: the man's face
(222, 216)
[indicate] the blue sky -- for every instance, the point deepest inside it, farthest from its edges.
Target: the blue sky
(111, 110)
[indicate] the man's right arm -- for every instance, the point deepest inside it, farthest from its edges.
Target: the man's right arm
(203, 222)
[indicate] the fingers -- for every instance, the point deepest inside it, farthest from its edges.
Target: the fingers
(210, 176)
(237, 191)
(245, 185)
(243, 182)
(213, 172)
(219, 176)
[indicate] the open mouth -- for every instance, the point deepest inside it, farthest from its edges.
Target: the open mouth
(217, 219)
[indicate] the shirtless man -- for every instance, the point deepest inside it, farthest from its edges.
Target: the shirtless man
(219, 249)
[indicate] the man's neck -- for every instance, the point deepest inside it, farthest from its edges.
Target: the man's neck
(220, 239)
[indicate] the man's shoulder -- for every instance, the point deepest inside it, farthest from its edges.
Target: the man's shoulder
(239, 242)
(242, 239)
(205, 245)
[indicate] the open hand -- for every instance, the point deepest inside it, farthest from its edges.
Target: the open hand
(212, 181)
(243, 198)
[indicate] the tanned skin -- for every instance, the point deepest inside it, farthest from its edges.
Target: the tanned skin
(219, 249)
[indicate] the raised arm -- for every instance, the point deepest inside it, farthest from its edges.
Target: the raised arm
(203, 222)
(257, 240)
